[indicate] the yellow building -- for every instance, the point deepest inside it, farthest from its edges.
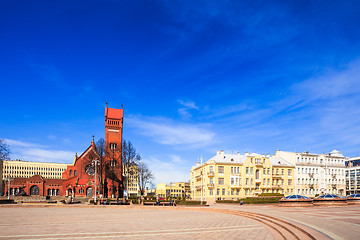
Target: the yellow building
(172, 190)
(24, 169)
(235, 176)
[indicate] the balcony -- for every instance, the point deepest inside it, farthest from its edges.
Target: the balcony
(277, 175)
(311, 175)
(210, 174)
(311, 186)
(198, 176)
(333, 176)
(236, 174)
(258, 180)
(235, 186)
(333, 186)
(257, 191)
(259, 164)
(210, 185)
(276, 186)
(198, 187)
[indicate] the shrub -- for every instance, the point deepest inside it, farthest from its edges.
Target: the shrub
(253, 200)
(271, 195)
(191, 203)
(6, 201)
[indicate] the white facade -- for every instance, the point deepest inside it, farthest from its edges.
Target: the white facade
(317, 173)
(352, 175)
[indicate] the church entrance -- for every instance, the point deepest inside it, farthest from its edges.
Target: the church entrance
(69, 192)
(89, 192)
(34, 190)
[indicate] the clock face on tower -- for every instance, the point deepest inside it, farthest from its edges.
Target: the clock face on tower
(89, 169)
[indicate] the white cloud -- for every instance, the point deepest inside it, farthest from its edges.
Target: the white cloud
(166, 171)
(187, 106)
(168, 132)
(38, 153)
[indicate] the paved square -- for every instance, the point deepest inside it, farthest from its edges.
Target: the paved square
(120, 222)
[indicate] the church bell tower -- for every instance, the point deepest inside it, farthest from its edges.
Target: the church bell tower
(113, 146)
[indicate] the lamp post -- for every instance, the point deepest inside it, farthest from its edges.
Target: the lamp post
(95, 162)
(201, 172)
(8, 178)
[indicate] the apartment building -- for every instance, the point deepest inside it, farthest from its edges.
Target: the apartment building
(173, 190)
(352, 175)
(235, 176)
(317, 174)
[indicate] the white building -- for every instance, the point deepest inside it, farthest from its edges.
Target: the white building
(317, 173)
(352, 174)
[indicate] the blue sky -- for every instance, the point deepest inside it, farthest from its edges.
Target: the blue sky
(194, 77)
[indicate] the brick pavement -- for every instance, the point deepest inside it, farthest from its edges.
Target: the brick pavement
(123, 222)
(120, 222)
(337, 222)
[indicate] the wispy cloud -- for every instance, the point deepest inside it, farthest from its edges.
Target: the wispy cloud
(169, 132)
(187, 106)
(38, 153)
(166, 171)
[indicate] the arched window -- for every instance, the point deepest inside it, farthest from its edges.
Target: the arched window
(75, 172)
(49, 192)
(70, 172)
(34, 190)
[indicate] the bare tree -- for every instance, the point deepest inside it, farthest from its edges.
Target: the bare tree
(145, 177)
(129, 159)
(101, 148)
(4, 150)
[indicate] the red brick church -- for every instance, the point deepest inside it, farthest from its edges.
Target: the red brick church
(79, 179)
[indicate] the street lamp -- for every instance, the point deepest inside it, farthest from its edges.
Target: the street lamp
(201, 172)
(95, 162)
(8, 178)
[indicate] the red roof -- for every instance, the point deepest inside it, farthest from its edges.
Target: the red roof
(50, 181)
(36, 178)
(114, 113)
(18, 181)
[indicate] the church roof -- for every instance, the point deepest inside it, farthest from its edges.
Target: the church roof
(36, 178)
(114, 113)
(18, 181)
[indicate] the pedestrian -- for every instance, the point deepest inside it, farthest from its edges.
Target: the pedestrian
(241, 202)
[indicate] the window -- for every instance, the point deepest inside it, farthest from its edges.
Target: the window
(289, 172)
(70, 172)
(113, 145)
(221, 181)
(75, 172)
(211, 192)
(223, 191)
(221, 169)
(251, 170)
(232, 181)
(247, 170)
(211, 181)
